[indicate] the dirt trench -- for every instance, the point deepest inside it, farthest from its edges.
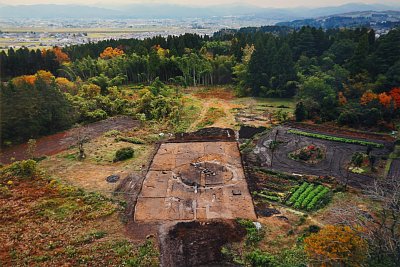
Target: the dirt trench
(198, 243)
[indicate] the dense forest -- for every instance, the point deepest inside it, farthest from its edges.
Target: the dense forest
(347, 76)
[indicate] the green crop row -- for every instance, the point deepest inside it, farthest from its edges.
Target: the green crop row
(307, 196)
(317, 199)
(297, 193)
(269, 197)
(311, 196)
(303, 196)
(337, 139)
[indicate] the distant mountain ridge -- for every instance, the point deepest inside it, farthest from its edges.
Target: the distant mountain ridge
(374, 19)
(179, 11)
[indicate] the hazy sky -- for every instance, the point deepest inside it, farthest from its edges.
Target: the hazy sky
(264, 3)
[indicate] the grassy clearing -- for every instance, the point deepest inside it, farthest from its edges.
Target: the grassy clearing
(192, 107)
(91, 172)
(212, 115)
(270, 103)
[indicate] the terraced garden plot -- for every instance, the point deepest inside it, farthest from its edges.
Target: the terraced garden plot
(338, 155)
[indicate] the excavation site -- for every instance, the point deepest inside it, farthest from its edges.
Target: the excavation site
(194, 190)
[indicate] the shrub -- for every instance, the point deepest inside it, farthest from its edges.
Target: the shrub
(132, 140)
(257, 258)
(23, 169)
(253, 235)
(124, 154)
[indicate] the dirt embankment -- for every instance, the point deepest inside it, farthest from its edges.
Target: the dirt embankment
(214, 134)
(56, 143)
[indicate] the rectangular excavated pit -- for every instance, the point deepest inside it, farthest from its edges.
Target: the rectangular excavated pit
(195, 181)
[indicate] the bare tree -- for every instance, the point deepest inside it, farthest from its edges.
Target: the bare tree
(31, 149)
(381, 227)
(82, 138)
(273, 146)
(385, 235)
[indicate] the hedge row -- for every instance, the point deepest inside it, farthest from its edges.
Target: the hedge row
(337, 139)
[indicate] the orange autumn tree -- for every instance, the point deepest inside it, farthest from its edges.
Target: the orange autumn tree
(395, 94)
(24, 80)
(336, 246)
(110, 52)
(368, 97)
(385, 100)
(29, 80)
(342, 99)
(60, 55)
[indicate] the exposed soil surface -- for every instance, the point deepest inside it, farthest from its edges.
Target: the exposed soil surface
(197, 243)
(195, 181)
(338, 155)
(53, 144)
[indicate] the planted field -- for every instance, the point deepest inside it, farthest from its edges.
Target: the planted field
(309, 197)
(337, 139)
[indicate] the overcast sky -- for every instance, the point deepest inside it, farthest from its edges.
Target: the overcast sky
(264, 3)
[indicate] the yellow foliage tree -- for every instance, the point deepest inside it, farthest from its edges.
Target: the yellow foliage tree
(45, 76)
(66, 85)
(90, 90)
(110, 52)
(336, 246)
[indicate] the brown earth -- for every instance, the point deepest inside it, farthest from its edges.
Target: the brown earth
(180, 185)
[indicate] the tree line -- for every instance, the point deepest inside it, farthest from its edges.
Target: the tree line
(343, 75)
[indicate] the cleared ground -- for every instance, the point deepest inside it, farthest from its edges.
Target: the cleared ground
(195, 181)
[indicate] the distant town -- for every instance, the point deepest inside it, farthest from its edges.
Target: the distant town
(39, 33)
